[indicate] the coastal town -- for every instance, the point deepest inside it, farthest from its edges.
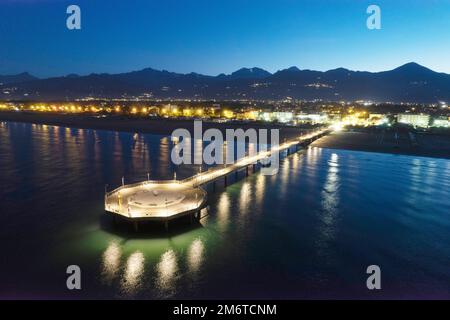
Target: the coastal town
(288, 112)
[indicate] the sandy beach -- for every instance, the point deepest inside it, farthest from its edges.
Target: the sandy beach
(426, 145)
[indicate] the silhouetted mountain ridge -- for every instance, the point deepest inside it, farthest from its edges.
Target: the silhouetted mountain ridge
(21, 77)
(250, 73)
(408, 83)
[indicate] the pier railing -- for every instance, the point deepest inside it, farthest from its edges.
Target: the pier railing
(139, 184)
(196, 200)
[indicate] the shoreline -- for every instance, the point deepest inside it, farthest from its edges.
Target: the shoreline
(428, 145)
(159, 126)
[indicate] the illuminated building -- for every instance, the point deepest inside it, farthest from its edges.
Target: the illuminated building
(283, 117)
(416, 120)
(442, 122)
(377, 119)
(312, 118)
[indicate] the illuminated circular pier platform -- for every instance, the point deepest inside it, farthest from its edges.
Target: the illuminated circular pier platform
(167, 200)
(155, 200)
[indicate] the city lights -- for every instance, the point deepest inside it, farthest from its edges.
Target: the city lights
(291, 113)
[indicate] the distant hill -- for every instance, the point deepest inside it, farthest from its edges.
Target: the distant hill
(408, 83)
(21, 77)
(249, 73)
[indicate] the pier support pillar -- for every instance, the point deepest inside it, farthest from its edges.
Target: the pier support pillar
(135, 224)
(236, 176)
(246, 171)
(225, 181)
(166, 225)
(254, 167)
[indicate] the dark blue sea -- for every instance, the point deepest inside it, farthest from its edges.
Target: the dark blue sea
(309, 231)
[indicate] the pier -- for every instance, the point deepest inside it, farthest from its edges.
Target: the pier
(170, 199)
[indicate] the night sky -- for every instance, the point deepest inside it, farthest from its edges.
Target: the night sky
(212, 36)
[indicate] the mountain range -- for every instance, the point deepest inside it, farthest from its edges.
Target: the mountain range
(21, 77)
(408, 83)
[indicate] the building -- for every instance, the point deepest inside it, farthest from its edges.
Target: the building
(416, 120)
(441, 122)
(265, 116)
(377, 119)
(312, 118)
(283, 117)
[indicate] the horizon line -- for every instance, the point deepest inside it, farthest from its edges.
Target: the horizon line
(211, 75)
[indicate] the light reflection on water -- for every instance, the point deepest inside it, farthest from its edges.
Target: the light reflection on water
(307, 231)
(330, 203)
(244, 197)
(111, 262)
(166, 271)
(284, 174)
(134, 271)
(223, 210)
(260, 189)
(195, 255)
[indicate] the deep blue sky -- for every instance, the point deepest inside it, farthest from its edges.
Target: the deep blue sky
(212, 36)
